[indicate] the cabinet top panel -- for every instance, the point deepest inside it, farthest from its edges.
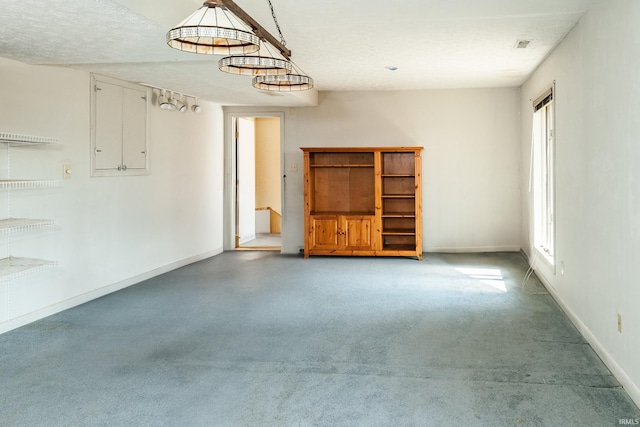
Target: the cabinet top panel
(359, 149)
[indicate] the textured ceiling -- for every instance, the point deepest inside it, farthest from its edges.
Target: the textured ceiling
(343, 45)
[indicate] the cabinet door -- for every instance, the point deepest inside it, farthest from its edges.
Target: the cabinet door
(134, 129)
(357, 232)
(324, 232)
(108, 126)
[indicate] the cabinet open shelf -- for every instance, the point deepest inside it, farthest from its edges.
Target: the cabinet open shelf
(363, 201)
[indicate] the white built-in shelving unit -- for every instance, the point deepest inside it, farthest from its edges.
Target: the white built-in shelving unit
(13, 267)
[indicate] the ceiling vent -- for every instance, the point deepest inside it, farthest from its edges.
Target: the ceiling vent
(522, 44)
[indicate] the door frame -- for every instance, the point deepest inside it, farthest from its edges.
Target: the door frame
(230, 172)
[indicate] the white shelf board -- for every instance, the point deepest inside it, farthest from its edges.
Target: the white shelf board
(20, 184)
(19, 225)
(15, 267)
(17, 139)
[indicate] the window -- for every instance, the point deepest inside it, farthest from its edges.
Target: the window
(118, 128)
(543, 184)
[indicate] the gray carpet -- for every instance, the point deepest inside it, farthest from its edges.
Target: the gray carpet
(262, 339)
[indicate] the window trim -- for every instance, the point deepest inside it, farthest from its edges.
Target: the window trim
(545, 246)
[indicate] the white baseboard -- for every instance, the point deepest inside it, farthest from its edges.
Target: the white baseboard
(630, 387)
(100, 292)
(436, 249)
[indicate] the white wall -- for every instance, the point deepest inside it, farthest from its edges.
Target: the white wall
(111, 232)
(597, 103)
(471, 160)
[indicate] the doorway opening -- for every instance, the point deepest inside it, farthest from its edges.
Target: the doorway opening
(258, 188)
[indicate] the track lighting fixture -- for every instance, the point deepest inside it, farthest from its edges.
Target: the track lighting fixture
(176, 101)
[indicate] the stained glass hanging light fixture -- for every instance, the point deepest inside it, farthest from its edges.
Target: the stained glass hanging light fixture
(266, 62)
(214, 30)
(295, 81)
(220, 27)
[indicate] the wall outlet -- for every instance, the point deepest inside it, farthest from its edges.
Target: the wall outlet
(619, 322)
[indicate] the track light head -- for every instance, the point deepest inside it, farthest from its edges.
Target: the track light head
(181, 106)
(171, 103)
(167, 103)
(162, 101)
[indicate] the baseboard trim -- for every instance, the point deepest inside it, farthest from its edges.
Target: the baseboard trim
(629, 386)
(470, 249)
(100, 292)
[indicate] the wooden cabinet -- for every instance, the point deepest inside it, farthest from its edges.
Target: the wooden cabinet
(363, 201)
(341, 233)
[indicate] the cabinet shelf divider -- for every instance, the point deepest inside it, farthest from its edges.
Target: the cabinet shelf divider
(398, 196)
(341, 166)
(399, 232)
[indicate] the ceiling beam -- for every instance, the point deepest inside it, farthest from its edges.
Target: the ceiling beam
(258, 29)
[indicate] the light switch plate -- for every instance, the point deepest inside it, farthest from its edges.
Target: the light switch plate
(66, 171)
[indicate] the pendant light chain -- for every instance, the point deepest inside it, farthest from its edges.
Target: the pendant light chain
(273, 13)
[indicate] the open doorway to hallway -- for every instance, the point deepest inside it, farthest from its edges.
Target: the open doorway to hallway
(258, 196)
